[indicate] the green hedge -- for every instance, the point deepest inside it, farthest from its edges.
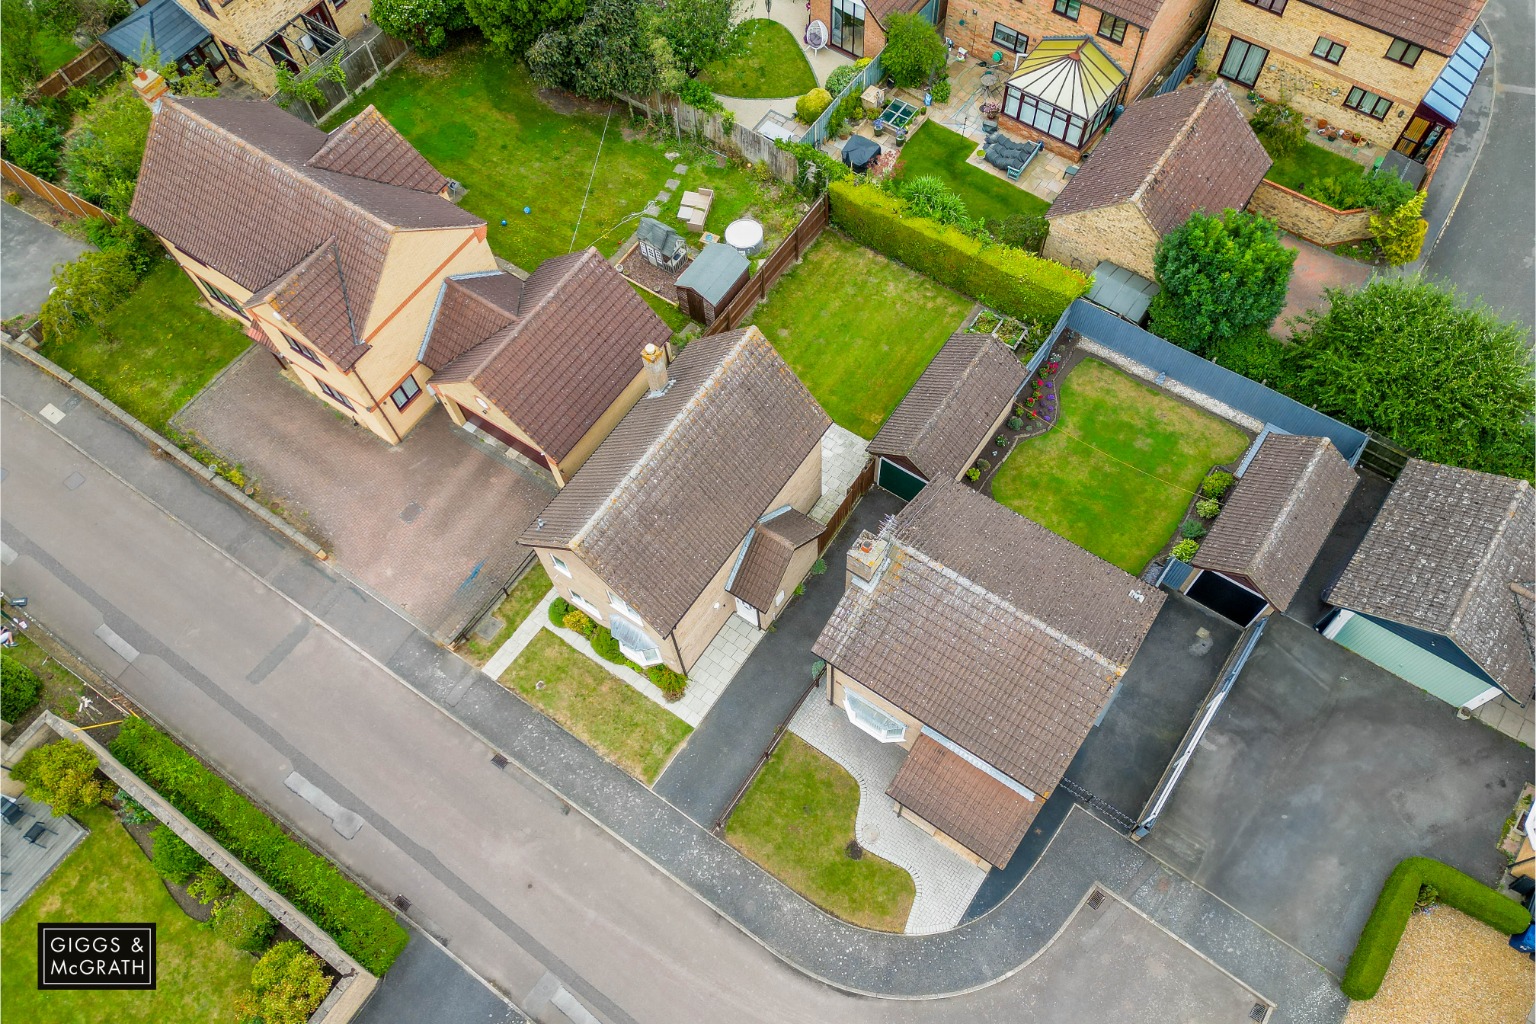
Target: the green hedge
(358, 923)
(1012, 280)
(1384, 929)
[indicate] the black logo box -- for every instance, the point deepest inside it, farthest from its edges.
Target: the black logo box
(95, 956)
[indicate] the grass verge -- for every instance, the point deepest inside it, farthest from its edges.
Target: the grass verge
(936, 150)
(526, 593)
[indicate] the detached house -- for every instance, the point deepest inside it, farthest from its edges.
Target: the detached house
(1395, 72)
(695, 507)
(987, 646)
(257, 37)
(1168, 157)
(1441, 591)
(858, 29)
(329, 248)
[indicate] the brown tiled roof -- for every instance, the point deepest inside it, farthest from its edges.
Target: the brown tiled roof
(1171, 155)
(470, 308)
(1279, 515)
(991, 630)
(882, 9)
(963, 802)
(664, 502)
(951, 408)
(367, 146)
(1442, 555)
(760, 570)
(572, 348)
(1438, 25)
(227, 182)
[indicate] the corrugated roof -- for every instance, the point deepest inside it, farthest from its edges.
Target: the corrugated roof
(1450, 552)
(159, 24)
(666, 500)
(1121, 291)
(951, 408)
(1071, 73)
(1438, 25)
(963, 802)
(1282, 511)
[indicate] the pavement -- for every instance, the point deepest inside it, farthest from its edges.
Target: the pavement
(29, 252)
(267, 663)
(430, 524)
(426, 984)
(723, 752)
(1319, 774)
(1316, 270)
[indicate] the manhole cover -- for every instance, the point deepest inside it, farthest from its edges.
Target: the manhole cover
(73, 481)
(410, 512)
(489, 627)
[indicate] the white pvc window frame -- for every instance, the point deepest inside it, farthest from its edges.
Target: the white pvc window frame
(868, 718)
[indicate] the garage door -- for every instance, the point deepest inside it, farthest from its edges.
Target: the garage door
(1226, 598)
(898, 481)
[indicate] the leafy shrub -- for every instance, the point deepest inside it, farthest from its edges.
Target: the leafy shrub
(243, 923)
(819, 567)
(1027, 231)
(174, 858)
(559, 608)
(983, 464)
(61, 774)
(1220, 276)
(606, 646)
(1015, 423)
(1217, 484)
(941, 90)
(102, 156)
(31, 139)
(1207, 508)
(838, 80)
(1254, 353)
(1380, 192)
(130, 810)
(577, 621)
(208, 885)
(1014, 281)
(973, 474)
(360, 926)
(424, 24)
(914, 51)
(1401, 232)
(927, 196)
(814, 170)
(1185, 550)
(1428, 897)
(1384, 928)
(1280, 129)
(810, 106)
(137, 243)
(287, 985)
(85, 292)
(671, 684)
(698, 95)
(19, 689)
(1192, 529)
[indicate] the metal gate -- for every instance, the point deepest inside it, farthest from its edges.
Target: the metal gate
(1383, 456)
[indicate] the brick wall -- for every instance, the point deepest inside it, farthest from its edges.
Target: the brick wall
(1036, 19)
(1314, 86)
(1120, 234)
(1316, 222)
(874, 35)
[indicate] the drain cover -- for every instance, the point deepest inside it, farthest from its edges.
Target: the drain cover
(1096, 899)
(1259, 1012)
(410, 512)
(73, 481)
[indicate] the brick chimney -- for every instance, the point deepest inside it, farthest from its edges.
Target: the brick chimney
(149, 85)
(655, 368)
(864, 558)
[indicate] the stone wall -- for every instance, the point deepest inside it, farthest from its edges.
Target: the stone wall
(1307, 218)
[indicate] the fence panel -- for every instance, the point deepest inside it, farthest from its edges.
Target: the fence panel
(64, 201)
(752, 146)
(788, 252)
(96, 64)
(860, 81)
(1180, 70)
(364, 59)
(860, 487)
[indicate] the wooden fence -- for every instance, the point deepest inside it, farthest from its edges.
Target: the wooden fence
(860, 487)
(789, 251)
(364, 60)
(62, 200)
(1383, 456)
(96, 64)
(741, 139)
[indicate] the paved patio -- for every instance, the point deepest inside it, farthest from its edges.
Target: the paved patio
(843, 454)
(429, 525)
(945, 881)
(1316, 271)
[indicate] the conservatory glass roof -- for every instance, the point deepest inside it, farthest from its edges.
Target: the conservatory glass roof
(1071, 73)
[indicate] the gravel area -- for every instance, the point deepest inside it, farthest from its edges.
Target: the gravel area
(663, 282)
(1450, 969)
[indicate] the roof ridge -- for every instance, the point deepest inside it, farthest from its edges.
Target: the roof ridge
(951, 393)
(1174, 143)
(1511, 512)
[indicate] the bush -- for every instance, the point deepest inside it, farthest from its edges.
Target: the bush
(577, 621)
(366, 930)
(914, 51)
(1380, 192)
(1280, 129)
(31, 139)
(1015, 423)
(1207, 508)
(973, 474)
(559, 608)
(1220, 276)
(424, 24)
(1217, 484)
(243, 923)
(941, 90)
(927, 196)
(1256, 354)
(61, 774)
(819, 567)
(838, 80)
(287, 985)
(606, 646)
(1192, 529)
(1014, 281)
(1185, 550)
(19, 689)
(208, 886)
(1027, 231)
(85, 292)
(102, 155)
(670, 683)
(1401, 232)
(137, 243)
(130, 810)
(1384, 928)
(814, 170)
(810, 106)
(174, 858)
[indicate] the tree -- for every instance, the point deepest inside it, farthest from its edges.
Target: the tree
(287, 985)
(613, 49)
(914, 52)
(1401, 232)
(61, 774)
(23, 63)
(30, 138)
(424, 24)
(104, 153)
(699, 31)
(19, 687)
(512, 26)
(1220, 277)
(1449, 381)
(85, 291)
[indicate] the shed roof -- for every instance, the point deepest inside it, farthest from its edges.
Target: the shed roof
(963, 802)
(1070, 72)
(714, 271)
(1122, 291)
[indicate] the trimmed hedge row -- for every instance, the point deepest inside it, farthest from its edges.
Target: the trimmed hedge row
(358, 923)
(1384, 929)
(1008, 279)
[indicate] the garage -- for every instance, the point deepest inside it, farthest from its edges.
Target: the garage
(901, 482)
(1225, 598)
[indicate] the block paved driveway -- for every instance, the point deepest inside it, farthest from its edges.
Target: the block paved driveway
(1318, 775)
(429, 525)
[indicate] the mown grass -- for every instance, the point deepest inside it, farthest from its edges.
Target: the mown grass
(934, 149)
(767, 64)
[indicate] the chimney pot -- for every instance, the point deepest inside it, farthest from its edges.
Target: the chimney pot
(655, 358)
(149, 85)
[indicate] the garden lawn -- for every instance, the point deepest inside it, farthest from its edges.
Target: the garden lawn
(1308, 164)
(768, 64)
(60, 691)
(107, 878)
(604, 712)
(480, 120)
(526, 593)
(796, 820)
(674, 317)
(936, 150)
(1119, 468)
(857, 328)
(159, 348)
(54, 50)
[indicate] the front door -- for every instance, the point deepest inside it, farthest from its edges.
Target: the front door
(1419, 138)
(321, 13)
(746, 611)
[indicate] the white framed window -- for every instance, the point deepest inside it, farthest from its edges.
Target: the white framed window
(645, 659)
(870, 719)
(560, 565)
(634, 644)
(586, 606)
(618, 604)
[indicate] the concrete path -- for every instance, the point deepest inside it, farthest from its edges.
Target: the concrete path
(945, 881)
(521, 637)
(29, 251)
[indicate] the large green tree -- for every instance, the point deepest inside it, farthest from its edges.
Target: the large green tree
(513, 25)
(614, 48)
(699, 31)
(914, 52)
(424, 24)
(1221, 276)
(1404, 357)
(23, 63)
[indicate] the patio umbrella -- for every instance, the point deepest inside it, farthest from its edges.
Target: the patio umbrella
(859, 152)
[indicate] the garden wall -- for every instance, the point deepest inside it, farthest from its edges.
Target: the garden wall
(1307, 218)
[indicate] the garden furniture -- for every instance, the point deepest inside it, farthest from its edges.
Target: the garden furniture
(36, 832)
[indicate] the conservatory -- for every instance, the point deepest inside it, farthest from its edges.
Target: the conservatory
(1064, 90)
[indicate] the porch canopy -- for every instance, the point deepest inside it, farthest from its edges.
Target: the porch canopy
(1066, 87)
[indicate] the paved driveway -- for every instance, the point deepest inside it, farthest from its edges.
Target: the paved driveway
(29, 250)
(430, 525)
(1315, 271)
(425, 983)
(1318, 775)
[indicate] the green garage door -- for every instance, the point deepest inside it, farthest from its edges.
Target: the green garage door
(900, 482)
(1411, 662)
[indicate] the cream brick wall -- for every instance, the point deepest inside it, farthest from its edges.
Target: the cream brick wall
(1314, 86)
(1175, 27)
(247, 24)
(1308, 218)
(1120, 234)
